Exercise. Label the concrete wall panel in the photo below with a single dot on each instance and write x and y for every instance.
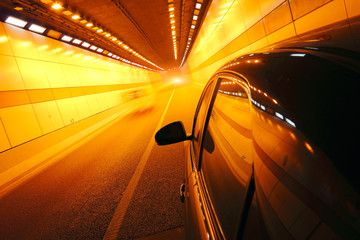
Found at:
(4, 142)
(32, 72)
(20, 123)
(10, 78)
(22, 42)
(5, 47)
(48, 116)
(46, 84)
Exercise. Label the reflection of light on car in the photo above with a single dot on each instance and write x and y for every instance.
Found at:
(309, 147)
(270, 111)
(262, 107)
(298, 54)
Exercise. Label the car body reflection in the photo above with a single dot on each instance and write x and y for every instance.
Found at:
(273, 148)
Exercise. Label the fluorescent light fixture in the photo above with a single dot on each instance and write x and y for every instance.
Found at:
(54, 34)
(298, 54)
(85, 44)
(56, 6)
(279, 115)
(67, 13)
(77, 41)
(192, 26)
(16, 21)
(75, 17)
(110, 54)
(198, 5)
(37, 28)
(195, 17)
(290, 122)
(99, 30)
(100, 50)
(66, 38)
(89, 25)
(171, 9)
(93, 47)
(108, 35)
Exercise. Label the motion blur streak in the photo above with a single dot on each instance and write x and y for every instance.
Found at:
(77, 196)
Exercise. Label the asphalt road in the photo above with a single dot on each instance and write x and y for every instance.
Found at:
(120, 184)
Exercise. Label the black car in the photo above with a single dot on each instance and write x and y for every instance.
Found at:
(273, 149)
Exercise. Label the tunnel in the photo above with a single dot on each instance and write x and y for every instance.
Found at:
(86, 85)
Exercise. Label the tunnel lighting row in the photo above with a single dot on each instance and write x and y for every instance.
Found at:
(253, 88)
(260, 106)
(68, 39)
(73, 15)
(276, 114)
(172, 24)
(257, 104)
(235, 62)
(192, 28)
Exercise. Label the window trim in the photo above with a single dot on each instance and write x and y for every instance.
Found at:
(250, 188)
(213, 80)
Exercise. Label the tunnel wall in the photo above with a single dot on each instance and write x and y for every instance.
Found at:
(235, 27)
(46, 85)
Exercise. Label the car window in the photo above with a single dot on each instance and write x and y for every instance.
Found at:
(200, 117)
(226, 164)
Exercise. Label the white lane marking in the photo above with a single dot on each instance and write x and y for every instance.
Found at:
(114, 226)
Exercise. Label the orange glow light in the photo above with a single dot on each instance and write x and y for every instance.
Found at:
(309, 147)
(56, 6)
(75, 17)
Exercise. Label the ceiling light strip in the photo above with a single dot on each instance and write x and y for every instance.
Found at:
(68, 39)
(99, 30)
(173, 26)
(195, 18)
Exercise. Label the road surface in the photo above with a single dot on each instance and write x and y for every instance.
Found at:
(118, 185)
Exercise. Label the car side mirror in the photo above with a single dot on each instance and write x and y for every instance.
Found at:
(171, 133)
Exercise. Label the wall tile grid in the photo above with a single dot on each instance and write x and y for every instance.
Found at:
(46, 84)
(257, 24)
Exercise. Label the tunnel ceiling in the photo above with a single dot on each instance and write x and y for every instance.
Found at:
(141, 31)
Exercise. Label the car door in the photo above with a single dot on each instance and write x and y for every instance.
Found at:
(222, 153)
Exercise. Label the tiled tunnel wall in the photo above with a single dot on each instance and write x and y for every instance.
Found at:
(46, 84)
(235, 27)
